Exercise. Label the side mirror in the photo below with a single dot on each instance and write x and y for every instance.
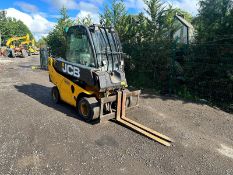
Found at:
(66, 29)
(48, 49)
(104, 63)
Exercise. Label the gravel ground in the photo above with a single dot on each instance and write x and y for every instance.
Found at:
(38, 137)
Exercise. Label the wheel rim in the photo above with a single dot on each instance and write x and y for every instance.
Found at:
(84, 109)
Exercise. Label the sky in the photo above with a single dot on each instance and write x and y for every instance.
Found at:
(41, 15)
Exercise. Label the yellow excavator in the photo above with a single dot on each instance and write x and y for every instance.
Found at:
(91, 78)
(23, 48)
(31, 47)
(15, 48)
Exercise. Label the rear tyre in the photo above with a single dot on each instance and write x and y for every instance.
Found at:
(8, 53)
(24, 53)
(55, 95)
(12, 53)
(88, 108)
(129, 100)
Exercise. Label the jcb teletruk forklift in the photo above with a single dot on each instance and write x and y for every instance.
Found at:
(91, 77)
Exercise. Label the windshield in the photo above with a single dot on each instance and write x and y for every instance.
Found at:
(107, 48)
(79, 49)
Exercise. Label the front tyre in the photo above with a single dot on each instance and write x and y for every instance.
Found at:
(24, 53)
(55, 95)
(12, 53)
(88, 108)
(129, 100)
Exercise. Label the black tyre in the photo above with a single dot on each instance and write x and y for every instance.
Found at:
(55, 95)
(8, 53)
(88, 108)
(12, 53)
(129, 100)
(128, 103)
(24, 53)
(29, 53)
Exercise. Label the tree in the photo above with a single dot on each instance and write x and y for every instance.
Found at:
(116, 15)
(156, 20)
(214, 20)
(150, 42)
(11, 27)
(42, 42)
(86, 21)
(2, 14)
(57, 37)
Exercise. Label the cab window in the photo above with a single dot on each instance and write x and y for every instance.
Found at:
(79, 49)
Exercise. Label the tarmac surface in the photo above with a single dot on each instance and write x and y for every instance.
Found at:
(39, 137)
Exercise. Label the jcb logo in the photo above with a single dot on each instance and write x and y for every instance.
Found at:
(71, 70)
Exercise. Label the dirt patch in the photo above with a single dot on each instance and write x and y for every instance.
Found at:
(3, 61)
(31, 160)
(51, 139)
(226, 151)
(107, 141)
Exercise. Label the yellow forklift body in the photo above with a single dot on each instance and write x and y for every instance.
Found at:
(93, 101)
(64, 85)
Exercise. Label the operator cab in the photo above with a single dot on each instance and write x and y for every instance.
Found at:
(79, 49)
(94, 47)
(94, 57)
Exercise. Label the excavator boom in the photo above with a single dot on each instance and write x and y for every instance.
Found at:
(18, 50)
(10, 40)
